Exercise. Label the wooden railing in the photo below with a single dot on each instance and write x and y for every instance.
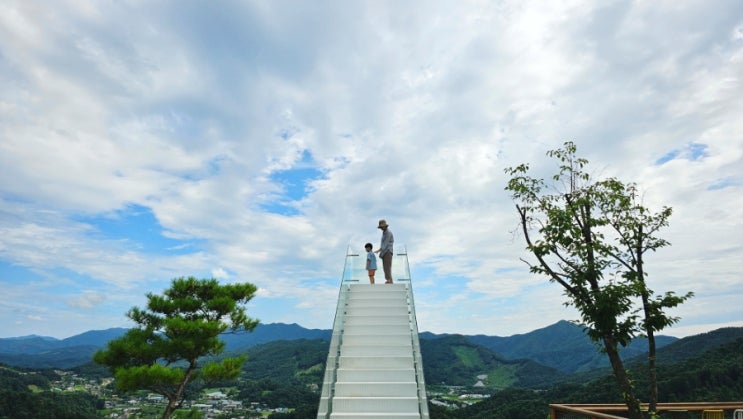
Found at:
(619, 411)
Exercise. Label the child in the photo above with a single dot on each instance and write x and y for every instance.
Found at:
(371, 262)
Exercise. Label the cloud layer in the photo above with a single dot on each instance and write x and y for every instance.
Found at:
(257, 141)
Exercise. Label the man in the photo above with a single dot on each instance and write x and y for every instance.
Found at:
(385, 250)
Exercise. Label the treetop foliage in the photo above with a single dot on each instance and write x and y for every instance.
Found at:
(590, 237)
(175, 334)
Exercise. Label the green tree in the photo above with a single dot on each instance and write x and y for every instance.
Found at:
(636, 228)
(164, 352)
(589, 236)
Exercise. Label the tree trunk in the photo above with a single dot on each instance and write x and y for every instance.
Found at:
(652, 373)
(173, 401)
(649, 330)
(628, 392)
(170, 408)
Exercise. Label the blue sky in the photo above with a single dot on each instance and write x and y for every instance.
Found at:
(257, 141)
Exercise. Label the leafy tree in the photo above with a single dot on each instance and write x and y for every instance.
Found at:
(590, 238)
(164, 352)
(636, 227)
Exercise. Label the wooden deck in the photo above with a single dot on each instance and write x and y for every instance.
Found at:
(613, 411)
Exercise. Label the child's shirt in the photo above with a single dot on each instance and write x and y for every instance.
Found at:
(371, 261)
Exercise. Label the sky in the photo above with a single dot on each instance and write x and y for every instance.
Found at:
(260, 141)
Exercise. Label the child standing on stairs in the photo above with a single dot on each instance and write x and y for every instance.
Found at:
(371, 262)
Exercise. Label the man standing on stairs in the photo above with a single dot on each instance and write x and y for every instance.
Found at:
(385, 250)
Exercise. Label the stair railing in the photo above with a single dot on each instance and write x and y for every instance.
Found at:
(334, 352)
(404, 277)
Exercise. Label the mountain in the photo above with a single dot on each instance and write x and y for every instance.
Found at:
(674, 353)
(451, 360)
(96, 338)
(270, 332)
(29, 345)
(714, 373)
(64, 357)
(31, 337)
(45, 352)
(288, 361)
(456, 360)
(281, 373)
(563, 345)
(692, 346)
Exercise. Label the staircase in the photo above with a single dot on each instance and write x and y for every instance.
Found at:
(374, 367)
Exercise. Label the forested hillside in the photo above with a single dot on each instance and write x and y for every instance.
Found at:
(289, 373)
(24, 394)
(457, 361)
(713, 375)
(563, 346)
(299, 361)
(691, 346)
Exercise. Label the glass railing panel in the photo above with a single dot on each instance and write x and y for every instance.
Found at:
(355, 269)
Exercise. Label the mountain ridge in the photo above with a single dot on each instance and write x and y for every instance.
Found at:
(562, 345)
(566, 342)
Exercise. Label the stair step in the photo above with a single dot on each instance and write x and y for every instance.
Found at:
(377, 340)
(371, 288)
(376, 350)
(379, 319)
(377, 362)
(376, 375)
(376, 389)
(375, 404)
(375, 303)
(399, 299)
(376, 329)
(365, 415)
(370, 310)
(377, 292)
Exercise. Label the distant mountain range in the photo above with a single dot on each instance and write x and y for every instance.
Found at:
(561, 348)
(46, 352)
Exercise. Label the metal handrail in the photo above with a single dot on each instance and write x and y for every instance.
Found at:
(331, 371)
(417, 358)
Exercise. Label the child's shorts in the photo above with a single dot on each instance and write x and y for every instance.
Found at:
(371, 271)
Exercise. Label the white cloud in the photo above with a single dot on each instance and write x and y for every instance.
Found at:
(87, 300)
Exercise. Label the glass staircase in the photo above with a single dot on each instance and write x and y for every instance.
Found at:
(374, 367)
